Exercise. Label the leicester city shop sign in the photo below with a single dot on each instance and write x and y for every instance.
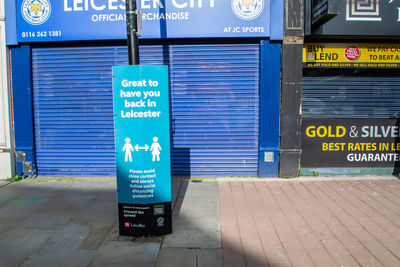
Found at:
(71, 20)
(142, 147)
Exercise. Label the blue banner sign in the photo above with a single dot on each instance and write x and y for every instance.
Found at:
(71, 20)
(142, 144)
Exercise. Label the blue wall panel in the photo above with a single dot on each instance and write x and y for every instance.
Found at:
(270, 85)
(276, 31)
(22, 104)
(11, 22)
(214, 108)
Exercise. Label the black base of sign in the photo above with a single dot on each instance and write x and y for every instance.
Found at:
(140, 220)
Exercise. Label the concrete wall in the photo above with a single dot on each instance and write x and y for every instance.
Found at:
(5, 143)
(2, 10)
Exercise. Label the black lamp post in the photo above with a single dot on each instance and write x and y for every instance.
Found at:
(132, 29)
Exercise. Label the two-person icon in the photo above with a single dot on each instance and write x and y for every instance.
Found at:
(155, 149)
(128, 148)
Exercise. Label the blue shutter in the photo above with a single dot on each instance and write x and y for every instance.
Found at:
(214, 108)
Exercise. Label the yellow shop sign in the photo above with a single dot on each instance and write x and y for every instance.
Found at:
(344, 55)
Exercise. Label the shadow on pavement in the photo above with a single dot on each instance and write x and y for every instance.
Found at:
(75, 224)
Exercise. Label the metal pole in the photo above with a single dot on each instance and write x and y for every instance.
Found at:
(131, 30)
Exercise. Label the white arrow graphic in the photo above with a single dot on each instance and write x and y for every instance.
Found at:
(146, 147)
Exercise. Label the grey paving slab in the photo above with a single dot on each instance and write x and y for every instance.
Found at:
(18, 207)
(77, 196)
(76, 193)
(69, 237)
(196, 217)
(41, 189)
(176, 257)
(89, 189)
(209, 257)
(107, 191)
(7, 224)
(99, 210)
(201, 189)
(197, 206)
(10, 263)
(58, 205)
(183, 188)
(8, 195)
(19, 243)
(6, 198)
(114, 235)
(175, 187)
(59, 258)
(197, 199)
(194, 232)
(45, 221)
(84, 187)
(17, 202)
(3, 183)
(97, 234)
(126, 254)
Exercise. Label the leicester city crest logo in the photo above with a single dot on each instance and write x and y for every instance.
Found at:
(247, 9)
(36, 12)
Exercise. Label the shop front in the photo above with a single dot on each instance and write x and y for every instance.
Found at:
(351, 93)
(224, 73)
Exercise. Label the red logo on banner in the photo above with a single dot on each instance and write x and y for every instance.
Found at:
(352, 53)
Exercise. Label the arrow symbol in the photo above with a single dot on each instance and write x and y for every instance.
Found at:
(146, 147)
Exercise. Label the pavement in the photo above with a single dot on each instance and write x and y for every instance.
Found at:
(308, 221)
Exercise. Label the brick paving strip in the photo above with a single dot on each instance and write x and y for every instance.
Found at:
(310, 223)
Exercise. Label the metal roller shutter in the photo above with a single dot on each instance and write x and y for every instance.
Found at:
(352, 94)
(214, 108)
